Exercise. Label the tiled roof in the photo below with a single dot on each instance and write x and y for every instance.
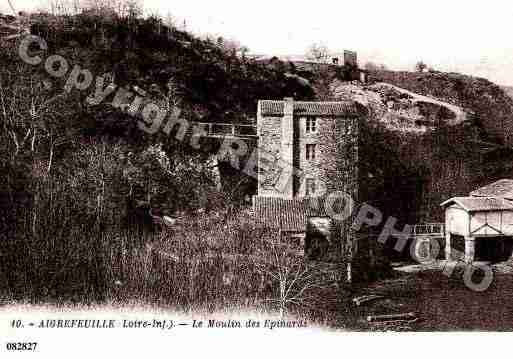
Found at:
(307, 108)
(502, 188)
(477, 204)
(289, 215)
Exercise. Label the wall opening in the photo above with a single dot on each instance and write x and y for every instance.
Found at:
(493, 249)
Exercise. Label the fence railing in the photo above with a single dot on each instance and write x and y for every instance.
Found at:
(227, 129)
(429, 229)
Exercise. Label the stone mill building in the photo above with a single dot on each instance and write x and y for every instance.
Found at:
(306, 151)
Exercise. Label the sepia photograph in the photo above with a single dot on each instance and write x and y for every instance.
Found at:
(260, 179)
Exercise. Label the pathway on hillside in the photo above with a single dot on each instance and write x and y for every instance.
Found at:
(461, 115)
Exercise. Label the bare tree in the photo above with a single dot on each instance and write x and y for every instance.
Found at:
(58, 7)
(122, 8)
(318, 52)
(296, 280)
(170, 21)
(372, 66)
(132, 8)
(173, 95)
(243, 50)
(32, 112)
(420, 66)
(12, 7)
(35, 119)
(231, 46)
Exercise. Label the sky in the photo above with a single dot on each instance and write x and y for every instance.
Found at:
(472, 37)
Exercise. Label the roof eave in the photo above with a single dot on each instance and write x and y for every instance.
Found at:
(339, 115)
(449, 201)
(472, 210)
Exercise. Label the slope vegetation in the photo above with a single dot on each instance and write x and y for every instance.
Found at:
(491, 106)
(428, 137)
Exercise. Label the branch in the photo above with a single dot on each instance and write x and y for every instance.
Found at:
(15, 139)
(32, 145)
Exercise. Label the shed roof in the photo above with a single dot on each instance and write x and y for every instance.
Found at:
(309, 108)
(289, 215)
(502, 188)
(480, 204)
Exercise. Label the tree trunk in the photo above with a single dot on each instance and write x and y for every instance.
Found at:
(51, 159)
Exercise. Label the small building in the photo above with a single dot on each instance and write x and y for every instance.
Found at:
(292, 217)
(479, 227)
(350, 59)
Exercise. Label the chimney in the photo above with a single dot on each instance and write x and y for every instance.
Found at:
(287, 149)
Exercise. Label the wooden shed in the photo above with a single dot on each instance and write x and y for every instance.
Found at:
(480, 226)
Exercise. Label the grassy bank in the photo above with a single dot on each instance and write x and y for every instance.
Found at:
(57, 250)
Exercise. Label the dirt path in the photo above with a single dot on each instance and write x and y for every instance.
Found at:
(461, 116)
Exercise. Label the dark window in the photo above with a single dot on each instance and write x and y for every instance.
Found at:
(311, 125)
(310, 186)
(310, 152)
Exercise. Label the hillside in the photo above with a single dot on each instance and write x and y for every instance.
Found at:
(210, 80)
(214, 82)
(491, 106)
(422, 127)
(398, 109)
(428, 137)
(83, 191)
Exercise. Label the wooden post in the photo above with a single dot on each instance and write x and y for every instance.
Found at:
(280, 233)
(469, 249)
(448, 246)
(347, 237)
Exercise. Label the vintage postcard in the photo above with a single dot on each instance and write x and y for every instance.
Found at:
(256, 179)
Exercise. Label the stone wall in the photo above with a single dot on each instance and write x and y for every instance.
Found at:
(334, 168)
(338, 141)
(335, 165)
(269, 147)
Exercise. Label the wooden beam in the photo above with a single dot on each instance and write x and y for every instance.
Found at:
(392, 317)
